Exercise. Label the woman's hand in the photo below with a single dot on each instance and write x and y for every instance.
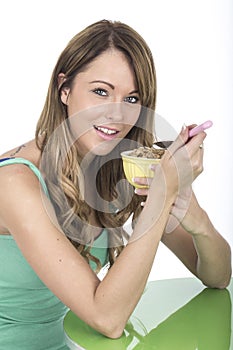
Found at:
(179, 167)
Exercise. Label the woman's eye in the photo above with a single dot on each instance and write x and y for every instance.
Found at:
(100, 92)
(131, 99)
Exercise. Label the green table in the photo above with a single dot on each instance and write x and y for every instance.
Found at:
(175, 314)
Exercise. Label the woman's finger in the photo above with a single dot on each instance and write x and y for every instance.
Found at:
(141, 191)
(180, 141)
(143, 181)
(195, 144)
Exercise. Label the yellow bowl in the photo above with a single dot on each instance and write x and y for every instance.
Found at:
(137, 167)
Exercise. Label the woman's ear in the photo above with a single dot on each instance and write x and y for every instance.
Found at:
(64, 94)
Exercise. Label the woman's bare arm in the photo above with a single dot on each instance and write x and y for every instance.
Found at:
(106, 305)
(198, 244)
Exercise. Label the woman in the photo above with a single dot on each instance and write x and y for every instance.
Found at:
(100, 101)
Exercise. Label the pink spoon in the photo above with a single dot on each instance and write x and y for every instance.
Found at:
(200, 128)
(192, 132)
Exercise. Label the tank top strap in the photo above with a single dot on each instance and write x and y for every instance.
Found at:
(9, 161)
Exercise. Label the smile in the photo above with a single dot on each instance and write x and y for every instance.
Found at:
(106, 131)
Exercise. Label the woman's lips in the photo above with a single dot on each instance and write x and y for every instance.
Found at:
(106, 133)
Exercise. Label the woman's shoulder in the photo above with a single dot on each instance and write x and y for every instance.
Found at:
(15, 179)
(21, 188)
(13, 171)
(12, 168)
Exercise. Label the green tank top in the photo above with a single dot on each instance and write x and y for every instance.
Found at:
(31, 316)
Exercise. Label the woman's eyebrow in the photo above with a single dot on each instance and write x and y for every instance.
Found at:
(133, 92)
(104, 82)
(111, 86)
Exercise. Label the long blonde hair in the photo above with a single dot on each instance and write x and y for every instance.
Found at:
(61, 158)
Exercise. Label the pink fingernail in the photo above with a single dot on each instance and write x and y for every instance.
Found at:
(183, 128)
(152, 166)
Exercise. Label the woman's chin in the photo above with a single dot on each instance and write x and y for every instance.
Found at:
(104, 148)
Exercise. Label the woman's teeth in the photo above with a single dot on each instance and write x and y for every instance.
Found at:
(105, 130)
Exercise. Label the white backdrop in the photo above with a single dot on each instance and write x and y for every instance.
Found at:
(192, 44)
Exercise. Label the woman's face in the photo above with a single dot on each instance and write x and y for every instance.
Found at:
(103, 103)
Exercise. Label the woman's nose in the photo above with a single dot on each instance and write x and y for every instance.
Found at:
(115, 111)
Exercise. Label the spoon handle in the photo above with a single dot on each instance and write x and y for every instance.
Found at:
(200, 128)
